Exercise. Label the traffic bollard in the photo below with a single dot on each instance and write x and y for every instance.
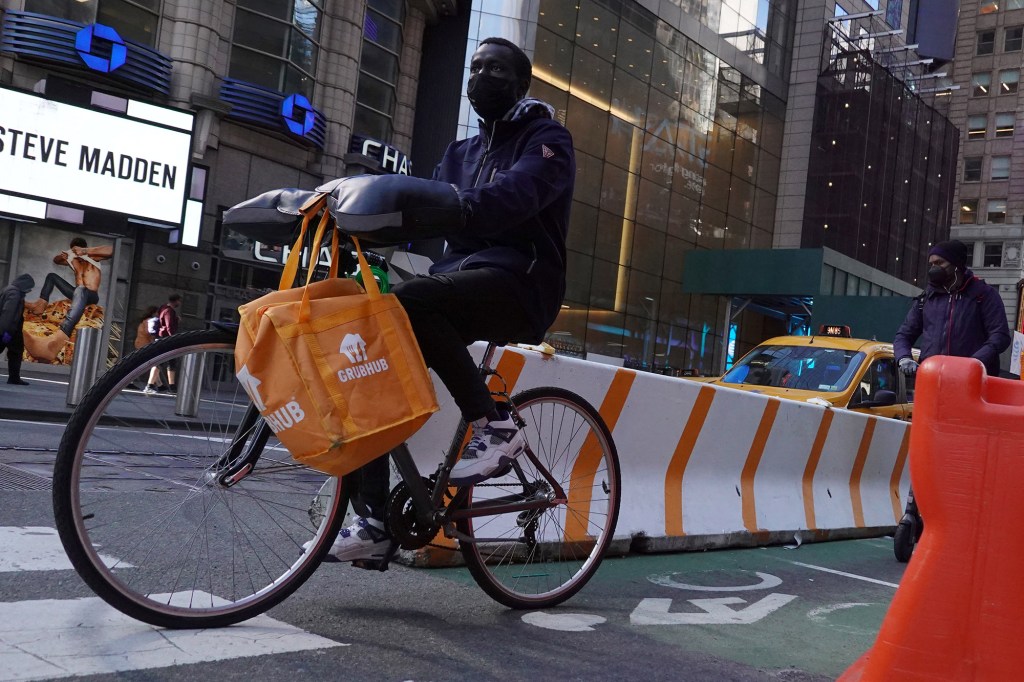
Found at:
(189, 384)
(84, 363)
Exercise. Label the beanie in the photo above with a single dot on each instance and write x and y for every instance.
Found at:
(953, 251)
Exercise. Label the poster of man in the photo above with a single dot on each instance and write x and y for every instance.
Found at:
(50, 325)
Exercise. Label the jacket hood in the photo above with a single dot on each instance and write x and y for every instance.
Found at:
(24, 282)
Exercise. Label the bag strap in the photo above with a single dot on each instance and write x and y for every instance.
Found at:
(325, 221)
(369, 281)
(291, 267)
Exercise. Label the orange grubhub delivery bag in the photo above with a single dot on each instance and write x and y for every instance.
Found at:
(334, 370)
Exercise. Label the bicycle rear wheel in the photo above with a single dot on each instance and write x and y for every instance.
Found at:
(142, 509)
(536, 559)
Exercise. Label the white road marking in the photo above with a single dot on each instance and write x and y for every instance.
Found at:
(35, 548)
(50, 638)
(818, 614)
(845, 574)
(713, 611)
(768, 581)
(564, 622)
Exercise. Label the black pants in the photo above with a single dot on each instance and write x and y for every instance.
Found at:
(14, 350)
(448, 312)
(80, 298)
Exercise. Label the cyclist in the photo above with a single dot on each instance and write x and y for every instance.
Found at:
(501, 278)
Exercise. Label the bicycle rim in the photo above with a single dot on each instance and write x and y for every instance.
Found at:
(539, 559)
(143, 516)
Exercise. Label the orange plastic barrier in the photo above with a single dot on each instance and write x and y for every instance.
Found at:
(959, 611)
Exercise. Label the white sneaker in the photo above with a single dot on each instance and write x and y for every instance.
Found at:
(364, 539)
(491, 449)
(149, 390)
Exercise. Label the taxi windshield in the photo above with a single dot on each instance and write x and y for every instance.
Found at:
(808, 368)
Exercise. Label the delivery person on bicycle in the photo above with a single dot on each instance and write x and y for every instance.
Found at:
(501, 278)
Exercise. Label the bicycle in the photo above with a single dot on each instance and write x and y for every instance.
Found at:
(186, 512)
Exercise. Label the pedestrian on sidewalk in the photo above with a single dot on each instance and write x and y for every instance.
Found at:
(167, 325)
(12, 320)
(147, 330)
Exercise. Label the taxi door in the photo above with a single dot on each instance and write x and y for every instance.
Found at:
(880, 375)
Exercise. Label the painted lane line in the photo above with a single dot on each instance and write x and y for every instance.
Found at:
(713, 611)
(843, 573)
(50, 638)
(818, 614)
(564, 622)
(36, 548)
(768, 581)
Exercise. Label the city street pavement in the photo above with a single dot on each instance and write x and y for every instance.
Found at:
(795, 614)
(44, 399)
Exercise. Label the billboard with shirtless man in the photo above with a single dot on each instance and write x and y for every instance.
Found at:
(69, 298)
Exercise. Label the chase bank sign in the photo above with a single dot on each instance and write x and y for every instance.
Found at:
(91, 37)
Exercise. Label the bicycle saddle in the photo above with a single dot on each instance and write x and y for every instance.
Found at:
(394, 208)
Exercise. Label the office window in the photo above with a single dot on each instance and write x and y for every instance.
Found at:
(988, 8)
(276, 44)
(1000, 167)
(968, 211)
(986, 42)
(972, 168)
(1013, 39)
(1008, 81)
(997, 211)
(993, 257)
(379, 67)
(977, 126)
(134, 19)
(1005, 124)
(980, 84)
(1015, 4)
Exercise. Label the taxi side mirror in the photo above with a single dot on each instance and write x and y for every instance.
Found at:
(882, 398)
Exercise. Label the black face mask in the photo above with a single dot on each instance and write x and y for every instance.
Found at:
(491, 96)
(940, 276)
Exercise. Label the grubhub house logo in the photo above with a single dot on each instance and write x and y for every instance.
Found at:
(284, 417)
(354, 348)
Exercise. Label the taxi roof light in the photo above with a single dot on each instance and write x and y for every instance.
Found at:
(840, 330)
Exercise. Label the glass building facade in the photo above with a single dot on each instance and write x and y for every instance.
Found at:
(676, 150)
(882, 165)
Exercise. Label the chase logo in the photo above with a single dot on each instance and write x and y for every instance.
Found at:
(298, 114)
(85, 43)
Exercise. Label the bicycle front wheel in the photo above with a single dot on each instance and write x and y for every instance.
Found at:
(143, 508)
(536, 559)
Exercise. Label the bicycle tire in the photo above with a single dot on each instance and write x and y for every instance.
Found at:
(572, 441)
(125, 454)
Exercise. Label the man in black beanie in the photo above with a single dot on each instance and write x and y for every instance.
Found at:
(958, 314)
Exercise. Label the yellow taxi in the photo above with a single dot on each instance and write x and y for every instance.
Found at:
(832, 367)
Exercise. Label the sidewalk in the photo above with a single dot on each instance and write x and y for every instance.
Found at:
(43, 400)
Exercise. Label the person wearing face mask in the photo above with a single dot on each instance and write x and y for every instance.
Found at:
(501, 277)
(958, 314)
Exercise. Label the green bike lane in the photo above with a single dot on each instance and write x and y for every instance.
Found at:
(814, 608)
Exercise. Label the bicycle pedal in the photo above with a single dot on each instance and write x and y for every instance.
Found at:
(371, 564)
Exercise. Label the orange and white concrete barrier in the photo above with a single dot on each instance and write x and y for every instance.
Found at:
(957, 612)
(709, 466)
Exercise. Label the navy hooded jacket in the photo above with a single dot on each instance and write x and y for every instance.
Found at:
(12, 303)
(516, 189)
(969, 322)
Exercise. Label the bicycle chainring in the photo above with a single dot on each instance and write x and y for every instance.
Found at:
(402, 521)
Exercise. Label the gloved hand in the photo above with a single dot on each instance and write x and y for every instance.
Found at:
(908, 366)
(6, 338)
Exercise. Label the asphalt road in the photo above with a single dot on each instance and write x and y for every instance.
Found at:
(756, 614)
